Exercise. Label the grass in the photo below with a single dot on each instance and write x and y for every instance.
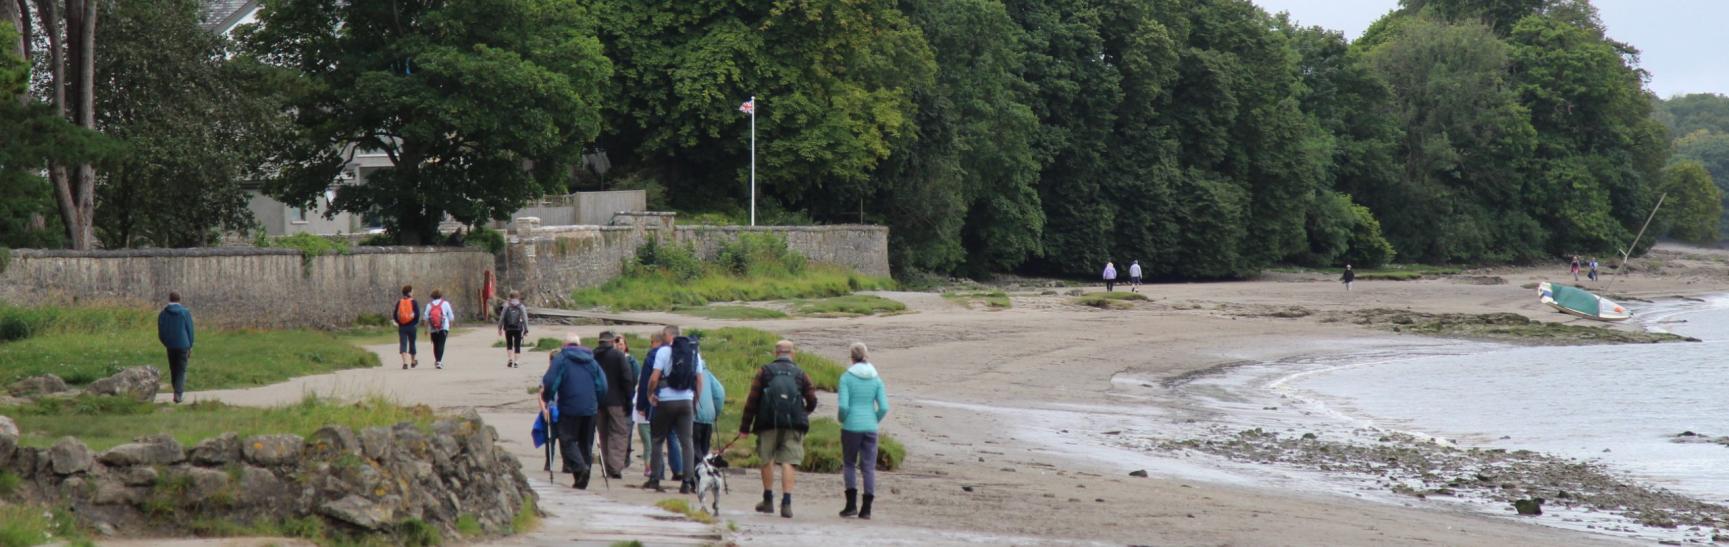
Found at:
(737, 313)
(527, 517)
(82, 345)
(1390, 272)
(542, 344)
(23, 525)
(469, 526)
(850, 305)
(631, 543)
(754, 268)
(682, 507)
(734, 354)
(1110, 300)
(105, 422)
(8, 483)
(995, 300)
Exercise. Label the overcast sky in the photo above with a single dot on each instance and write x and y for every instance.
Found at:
(1682, 42)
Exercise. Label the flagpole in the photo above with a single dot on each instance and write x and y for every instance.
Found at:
(753, 160)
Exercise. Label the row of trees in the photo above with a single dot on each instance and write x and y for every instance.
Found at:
(1205, 138)
(1700, 124)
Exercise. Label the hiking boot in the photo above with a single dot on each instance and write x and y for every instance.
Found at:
(786, 508)
(582, 480)
(851, 503)
(684, 488)
(653, 485)
(767, 505)
(864, 511)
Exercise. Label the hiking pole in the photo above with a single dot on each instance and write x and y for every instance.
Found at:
(604, 475)
(550, 477)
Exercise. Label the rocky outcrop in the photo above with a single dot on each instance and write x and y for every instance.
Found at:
(35, 386)
(371, 481)
(140, 383)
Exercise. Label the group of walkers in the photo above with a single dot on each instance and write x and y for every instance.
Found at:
(674, 401)
(1574, 269)
(1110, 276)
(438, 316)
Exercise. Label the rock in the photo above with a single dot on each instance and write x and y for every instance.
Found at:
(9, 401)
(8, 440)
(272, 450)
(358, 511)
(332, 441)
(107, 530)
(158, 450)
(138, 383)
(1140, 473)
(38, 385)
(69, 456)
(137, 476)
(261, 487)
(218, 450)
(376, 442)
(967, 488)
(1529, 507)
(203, 483)
(113, 493)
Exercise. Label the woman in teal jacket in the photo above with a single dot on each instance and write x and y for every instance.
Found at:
(863, 403)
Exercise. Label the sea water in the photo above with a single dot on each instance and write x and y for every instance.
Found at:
(1621, 405)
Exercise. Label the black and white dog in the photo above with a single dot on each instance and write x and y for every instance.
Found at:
(710, 482)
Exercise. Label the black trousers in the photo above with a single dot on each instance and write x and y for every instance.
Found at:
(703, 438)
(576, 441)
(177, 361)
(438, 338)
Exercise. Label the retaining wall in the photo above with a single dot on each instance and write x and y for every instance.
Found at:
(246, 286)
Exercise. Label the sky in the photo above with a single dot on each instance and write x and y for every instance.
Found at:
(1682, 42)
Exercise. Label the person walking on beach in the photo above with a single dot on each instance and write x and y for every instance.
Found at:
(1135, 276)
(773, 411)
(488, 291)
(614, 416)
(1593, 269)
(709, 405)
(864, 402)
(1575, 268)
(407, 315)
(174, 330)
(1110, 276)
(439, 317)
(576, 383)
(672, 391)
(1348, 277)
(653, 464)
(513, 326)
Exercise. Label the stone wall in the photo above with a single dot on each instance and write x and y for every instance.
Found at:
(370, 481)
(245, 286)
(548, 263)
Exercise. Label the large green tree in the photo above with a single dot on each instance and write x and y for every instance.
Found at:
(1711, 151)
(195, 126)
(1686, 114)
(1694, 205)
(34, 137)
(480, 106)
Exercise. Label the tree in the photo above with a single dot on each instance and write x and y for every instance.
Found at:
(196, 126)
(480, 106)
(1694, 207)
(33, 137)
(69, 27)
(1687, 114)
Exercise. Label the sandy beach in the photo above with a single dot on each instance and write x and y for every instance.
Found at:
(1008, 415)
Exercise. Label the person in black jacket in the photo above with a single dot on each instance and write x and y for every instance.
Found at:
(774, 413)
(613, 421)
(576, 383)
(1349, 277)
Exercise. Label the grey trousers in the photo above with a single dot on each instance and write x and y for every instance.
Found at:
(672, 417)
(859, 451)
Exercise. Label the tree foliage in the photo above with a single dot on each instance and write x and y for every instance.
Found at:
(1694, 207)
(1688, 114)
(33, 137)
(196, 126)
(480, 106)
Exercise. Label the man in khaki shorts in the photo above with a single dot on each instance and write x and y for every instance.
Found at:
(778, 411)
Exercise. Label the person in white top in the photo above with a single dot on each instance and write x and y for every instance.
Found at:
(1135, 276)
(674, 408)
(439, 318)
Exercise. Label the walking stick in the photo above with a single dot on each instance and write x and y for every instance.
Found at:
(604, 475)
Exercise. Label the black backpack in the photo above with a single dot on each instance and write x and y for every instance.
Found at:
(682, 375)
(513, 318)
(783, 404)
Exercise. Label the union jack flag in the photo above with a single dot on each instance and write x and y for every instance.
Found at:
(749, 107)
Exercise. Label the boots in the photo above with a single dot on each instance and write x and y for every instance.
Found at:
(851, 503)
(786, 506)
(864, 511)
(767, 505)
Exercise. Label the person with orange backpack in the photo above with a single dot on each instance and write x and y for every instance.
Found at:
(407, 316)
(438, 320)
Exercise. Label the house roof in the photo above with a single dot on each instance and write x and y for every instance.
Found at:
(223, 15)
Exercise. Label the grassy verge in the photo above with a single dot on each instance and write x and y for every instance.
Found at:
(105, 422)
(23, 525)
(849, 306)
(737, 313)
(995, 300)
(682, 507)
(755, 268)
(542, 344)
(82, 345)
(1110, 300)
(1390, 272)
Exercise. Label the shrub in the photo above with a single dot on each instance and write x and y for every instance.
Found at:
(5, 258)
(486, 238)
(655, 258)
(382, 239)
(310, 244)
(8, 483)
(759, 255)
(373, 320)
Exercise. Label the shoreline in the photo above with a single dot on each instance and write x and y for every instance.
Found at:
(1350, 454)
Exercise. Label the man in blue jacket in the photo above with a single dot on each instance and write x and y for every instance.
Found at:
(576, 383)
(174, 329)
